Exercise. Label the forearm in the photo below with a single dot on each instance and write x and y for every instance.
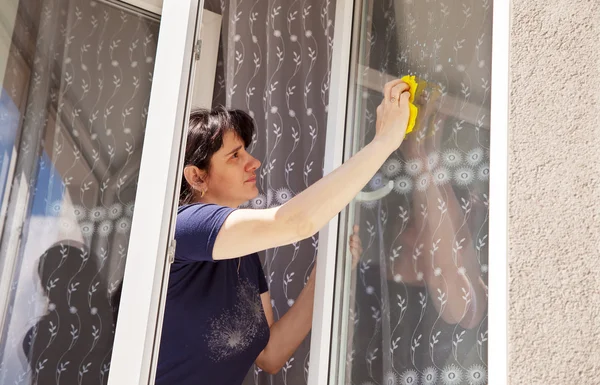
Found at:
(289, 331)
(316, 205)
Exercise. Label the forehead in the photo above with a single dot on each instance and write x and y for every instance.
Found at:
(231, 140)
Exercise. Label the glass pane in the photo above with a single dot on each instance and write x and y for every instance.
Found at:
(416, 301)
(73, 110)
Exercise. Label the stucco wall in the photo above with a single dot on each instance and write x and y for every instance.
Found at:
(554, 196)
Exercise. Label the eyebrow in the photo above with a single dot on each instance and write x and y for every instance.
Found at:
(234, 150)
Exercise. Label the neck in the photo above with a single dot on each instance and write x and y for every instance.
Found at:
(208, 199)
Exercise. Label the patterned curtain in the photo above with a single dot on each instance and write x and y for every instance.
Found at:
(274, 62)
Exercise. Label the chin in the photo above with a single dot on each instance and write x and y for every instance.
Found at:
(251, 195)
(254, 194)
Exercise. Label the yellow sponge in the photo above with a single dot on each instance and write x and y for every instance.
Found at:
(414, 111)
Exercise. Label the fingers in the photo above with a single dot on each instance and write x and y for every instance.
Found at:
(398, 86)
(397, 91)
(355, 242)
(355, 229)
(404, 97)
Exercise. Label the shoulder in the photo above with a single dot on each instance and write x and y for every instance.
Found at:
(201, 212)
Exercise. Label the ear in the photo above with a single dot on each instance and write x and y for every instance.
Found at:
(195, 177)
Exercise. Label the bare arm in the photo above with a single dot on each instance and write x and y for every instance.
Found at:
(289, 331)
(248, 231)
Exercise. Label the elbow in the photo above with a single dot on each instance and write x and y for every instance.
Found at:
(299, 223)
(272, 369)
(269, 367)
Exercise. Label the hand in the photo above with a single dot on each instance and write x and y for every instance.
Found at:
(393, 113)
(355, 246)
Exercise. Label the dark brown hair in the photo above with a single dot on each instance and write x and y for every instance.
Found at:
(205, 137)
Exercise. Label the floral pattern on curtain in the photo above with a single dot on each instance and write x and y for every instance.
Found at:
(418, 311)
(275, 62)
(83, 71)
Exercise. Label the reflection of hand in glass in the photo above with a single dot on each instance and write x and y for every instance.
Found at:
(355, 244)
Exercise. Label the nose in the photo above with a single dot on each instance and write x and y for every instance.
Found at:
(253, 164)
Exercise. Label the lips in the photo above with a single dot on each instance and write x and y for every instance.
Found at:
(252, 179)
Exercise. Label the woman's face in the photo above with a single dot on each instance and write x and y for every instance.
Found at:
(231, 180)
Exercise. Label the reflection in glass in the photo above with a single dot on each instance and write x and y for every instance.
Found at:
(418, 296)
(75, 89)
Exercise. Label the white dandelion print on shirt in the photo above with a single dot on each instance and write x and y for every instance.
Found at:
(235, 329)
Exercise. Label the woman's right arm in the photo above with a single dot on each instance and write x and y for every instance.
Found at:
(248, 231)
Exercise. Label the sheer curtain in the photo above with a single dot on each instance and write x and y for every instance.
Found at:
(275, 63)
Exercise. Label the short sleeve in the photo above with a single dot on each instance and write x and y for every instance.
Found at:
(263, 287)
(196, 230)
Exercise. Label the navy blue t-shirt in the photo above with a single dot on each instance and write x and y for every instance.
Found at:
(214, 326)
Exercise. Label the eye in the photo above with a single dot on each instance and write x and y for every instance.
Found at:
(236, 155)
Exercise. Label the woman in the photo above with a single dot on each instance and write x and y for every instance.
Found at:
(218, 319)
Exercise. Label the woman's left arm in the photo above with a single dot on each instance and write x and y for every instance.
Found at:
(289, 331)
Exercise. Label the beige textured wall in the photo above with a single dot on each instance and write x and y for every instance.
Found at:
(554, 196)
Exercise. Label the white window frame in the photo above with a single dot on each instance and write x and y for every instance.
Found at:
(151, 244)
(323, 337)
(154, 6)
